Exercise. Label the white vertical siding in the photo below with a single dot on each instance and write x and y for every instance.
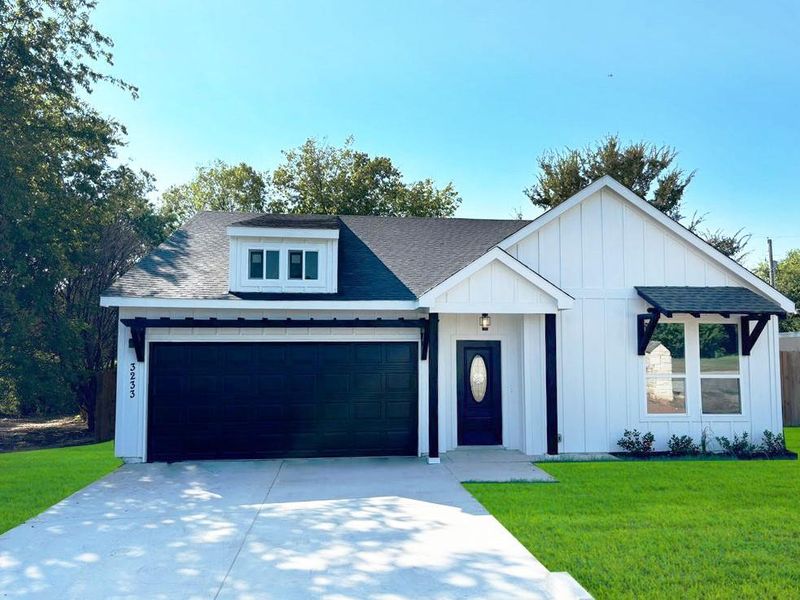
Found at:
(597, 252)
(508, 329)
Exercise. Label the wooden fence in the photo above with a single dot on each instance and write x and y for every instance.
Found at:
(790, 378)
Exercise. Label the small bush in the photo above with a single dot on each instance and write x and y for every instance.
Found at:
(636, 443)
(740, 447)
(772, 444)
(682, 446)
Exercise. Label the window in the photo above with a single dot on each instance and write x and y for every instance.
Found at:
(719, 369)
(295, 264)
(478, 378)
(273, 264)
(312, 264)
(256, 264)
(665, 370)
(264, 264)
(303, 264)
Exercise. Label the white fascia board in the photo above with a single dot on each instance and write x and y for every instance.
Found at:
(679, 230)
(563, 300)
(283, 232)
(495, 308)
(259, 304)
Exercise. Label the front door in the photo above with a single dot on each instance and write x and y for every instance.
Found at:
(480, 421)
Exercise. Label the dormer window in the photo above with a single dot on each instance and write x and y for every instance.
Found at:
(304, 264)
(292, 254)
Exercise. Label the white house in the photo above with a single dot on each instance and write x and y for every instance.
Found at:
(253, 335)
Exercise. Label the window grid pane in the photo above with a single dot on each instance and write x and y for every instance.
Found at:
(295, 264)
(312, 264)
(666, 395)
(272, 264)
(256, 270)
(719, 348)
(721, 396)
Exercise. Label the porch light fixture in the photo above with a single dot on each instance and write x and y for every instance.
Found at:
(485, 322)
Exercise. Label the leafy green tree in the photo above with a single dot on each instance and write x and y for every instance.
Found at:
(218, 186)
(60, 199)
(321, 179)
(648, 170)
(787, 280)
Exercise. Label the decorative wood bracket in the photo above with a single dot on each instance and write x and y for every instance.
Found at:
(645, 327)
(750, 337)
(424, 340)
(137, 341)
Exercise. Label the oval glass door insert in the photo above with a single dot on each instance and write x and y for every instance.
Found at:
(477, 378)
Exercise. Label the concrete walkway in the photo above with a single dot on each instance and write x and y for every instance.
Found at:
(493, 464)
(385, 529)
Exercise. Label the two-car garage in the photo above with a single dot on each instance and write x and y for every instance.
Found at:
(281, 399)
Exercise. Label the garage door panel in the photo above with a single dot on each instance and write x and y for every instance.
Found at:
(248, 399)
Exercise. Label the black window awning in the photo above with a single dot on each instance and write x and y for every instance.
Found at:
(753, 308)
(718, 300)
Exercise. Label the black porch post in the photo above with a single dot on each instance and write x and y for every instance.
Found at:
(551, 383)
(433, 388)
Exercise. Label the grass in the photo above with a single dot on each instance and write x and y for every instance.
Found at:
(684, 529)
(32, 481)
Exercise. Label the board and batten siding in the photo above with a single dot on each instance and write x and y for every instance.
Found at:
(132, 376)
(495, 288)
(518, 401)
(597, 252)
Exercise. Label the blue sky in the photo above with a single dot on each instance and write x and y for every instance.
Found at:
(472, 92)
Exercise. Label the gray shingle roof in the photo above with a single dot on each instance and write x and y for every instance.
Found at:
(720, 299)
(380, 258)
(291, 221)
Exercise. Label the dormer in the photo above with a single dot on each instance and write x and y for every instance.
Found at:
(284, 254)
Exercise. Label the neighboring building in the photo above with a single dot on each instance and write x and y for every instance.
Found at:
(276, 335)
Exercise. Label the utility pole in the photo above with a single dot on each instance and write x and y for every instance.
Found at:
(771, 263)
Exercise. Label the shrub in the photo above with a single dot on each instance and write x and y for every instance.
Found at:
(636, 443)
(772, 444)
(740, 447)
(682, 446)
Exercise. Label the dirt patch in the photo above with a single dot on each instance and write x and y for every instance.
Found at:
(33, 433)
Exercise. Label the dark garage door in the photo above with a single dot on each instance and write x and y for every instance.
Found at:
(250, 400)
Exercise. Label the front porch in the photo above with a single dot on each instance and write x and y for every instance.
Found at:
(492, 464)
(493, 372)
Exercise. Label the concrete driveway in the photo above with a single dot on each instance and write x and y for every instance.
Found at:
(382, 528)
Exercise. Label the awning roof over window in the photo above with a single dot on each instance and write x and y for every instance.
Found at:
(724, 300)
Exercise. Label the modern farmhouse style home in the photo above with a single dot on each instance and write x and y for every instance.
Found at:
(254, 335)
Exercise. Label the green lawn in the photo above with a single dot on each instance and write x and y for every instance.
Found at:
(34, 480)
(721, 529)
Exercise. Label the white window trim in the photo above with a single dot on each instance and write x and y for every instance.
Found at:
(737, 375)
(303, 263)
(245, 281)
(263, 264)
(692, 375)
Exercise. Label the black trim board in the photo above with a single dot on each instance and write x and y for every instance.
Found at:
(433, 387)
(551, 383)
(139, 326)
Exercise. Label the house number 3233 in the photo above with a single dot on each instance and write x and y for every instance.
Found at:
(132, 381)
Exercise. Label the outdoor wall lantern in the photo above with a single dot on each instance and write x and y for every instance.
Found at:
(485, 322)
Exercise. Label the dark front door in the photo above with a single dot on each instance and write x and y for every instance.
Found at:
(480, 420)
(263, 400)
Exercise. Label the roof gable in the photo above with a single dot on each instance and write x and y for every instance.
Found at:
(678, 231)
(496, 282)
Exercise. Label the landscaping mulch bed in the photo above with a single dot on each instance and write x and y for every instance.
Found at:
(654, 456)
(35, 433)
